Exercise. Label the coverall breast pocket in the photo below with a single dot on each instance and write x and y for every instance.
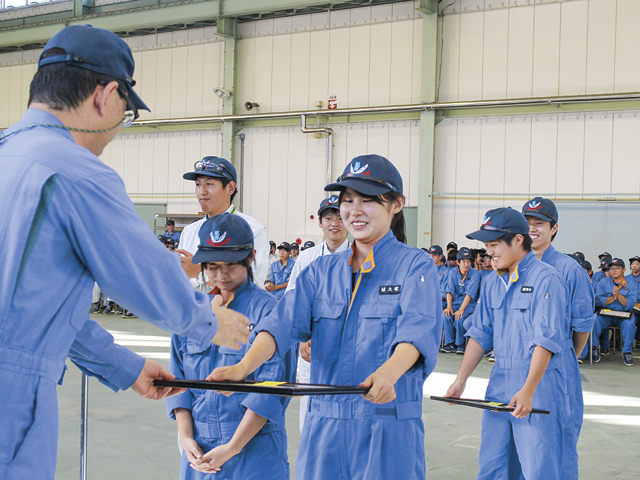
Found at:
(196, 361)
(521, 311)
(326, 331)
(376, 331)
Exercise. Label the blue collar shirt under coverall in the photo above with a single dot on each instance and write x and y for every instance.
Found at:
(580, 306)
(60, 204)
(514, 316)
(217, 417)
(396, 299)
(280, 274)
(628, 326)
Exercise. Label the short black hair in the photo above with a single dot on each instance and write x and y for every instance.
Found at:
(508, 239)
(65, 87)
(452, 255)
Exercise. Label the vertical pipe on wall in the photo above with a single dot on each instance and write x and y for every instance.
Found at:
(328, 131)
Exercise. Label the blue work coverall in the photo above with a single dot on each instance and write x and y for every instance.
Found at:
(459, 288)
(443, 272)
(580, 311)
(628, 326)
(216, 417)
(514, 315)
(60, 205)
(280, 274)
(353, 331)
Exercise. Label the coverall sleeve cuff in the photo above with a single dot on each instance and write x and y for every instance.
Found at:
(583, 325)
(485, 341)
(422, 344)
(184, 400)
(129, 371)
(267, 406)
(545, 343)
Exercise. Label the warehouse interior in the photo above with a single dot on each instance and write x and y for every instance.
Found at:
(479, 104)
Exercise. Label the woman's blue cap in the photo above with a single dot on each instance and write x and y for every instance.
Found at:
(98, 50)
(224, 238)
(541, 208)
(368, 174)
(499, 222)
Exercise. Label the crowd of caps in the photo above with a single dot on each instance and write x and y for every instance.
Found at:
(463, 270)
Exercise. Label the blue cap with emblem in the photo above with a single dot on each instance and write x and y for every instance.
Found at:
(308, 244)
(541, 208)
(331, 202)
(604, 263)
(224, 238)
(586, 265)
(634, 259)
(368, 174)
(579, 256)
(95, 49)
(616, 262)
(464, 254)
(213, 167)
(285, 246)
(499, 222)
(435, 250)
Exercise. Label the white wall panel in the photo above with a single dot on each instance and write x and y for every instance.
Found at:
(449, 63)
(546, 50)
(544, 132)
(178, 95)
(159, 170)
(416, 79)
(496, 44)
(282, 67)
(146, 78)
(339, 50)
(573, 48)
(5, 100)
(401, 61)
(300, 98)
(570, 166)
(163, 72)
(196, 88)
(518, 155)
(359, 57)
(597, 153)
(320, 66)
(520, 55)
(627, 59)
(263, 61)
(492, 155)
(601, 46)
(467, 173)
(380, 64)
(625, 163)
(471, 47)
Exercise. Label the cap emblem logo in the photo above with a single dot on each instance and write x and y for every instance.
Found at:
(486, 221)
(216, 240)
(534, 206)
(332, 199)
(357, 169)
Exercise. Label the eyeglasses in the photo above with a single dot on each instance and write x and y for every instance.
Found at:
(213, 166)
(131, 112)
(379, 181)
(209, 248)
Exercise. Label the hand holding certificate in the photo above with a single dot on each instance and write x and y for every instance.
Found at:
(484, 404)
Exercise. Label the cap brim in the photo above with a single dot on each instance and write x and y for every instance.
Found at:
(328, 207)
(201, 173)
(485, 235)
(137, 101)
(202, 256)
(359, 185)
(282, 248)
(541, 216)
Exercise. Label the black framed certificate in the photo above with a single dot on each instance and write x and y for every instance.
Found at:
(283, 389)
(484, 404)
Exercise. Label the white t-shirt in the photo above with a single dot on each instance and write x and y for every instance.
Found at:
(189, 241)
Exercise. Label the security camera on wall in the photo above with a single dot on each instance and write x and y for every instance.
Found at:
(222, 93)
(250, 106)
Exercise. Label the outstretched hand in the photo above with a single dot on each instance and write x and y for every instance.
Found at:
(150, 372)
(233, 327)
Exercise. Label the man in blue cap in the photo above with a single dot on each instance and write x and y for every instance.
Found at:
(280, 271)
(615, 294)
(542, 216)
(216, 185)
(462, 289)
(60, 204)
(437, 254)
(522, 312)
(335, 241)
(634, 264)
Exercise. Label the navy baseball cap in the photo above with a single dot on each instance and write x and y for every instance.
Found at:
(579, 255)
(605, 254)
(98, 50)
(295, 246)
(604, 263)
(284, 246)
(224, 238)
(170, 222)
(499, 222)
(368, 174)
(634, 259)
(616, 262)
(541, 208)
(464, 253)
(586, 265)
(272, 243)
(308, 244)
(331, 202)
(213, 167)
(435, 250)
(452, 245)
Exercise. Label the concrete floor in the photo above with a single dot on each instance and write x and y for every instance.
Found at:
(132, 438)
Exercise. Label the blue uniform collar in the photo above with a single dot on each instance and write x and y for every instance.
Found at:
(378, 249)
(238, 294)
(548, 254)
(520, 269)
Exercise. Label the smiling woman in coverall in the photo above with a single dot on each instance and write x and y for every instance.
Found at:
(522, 312)
(374, 317)
(241, 436)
